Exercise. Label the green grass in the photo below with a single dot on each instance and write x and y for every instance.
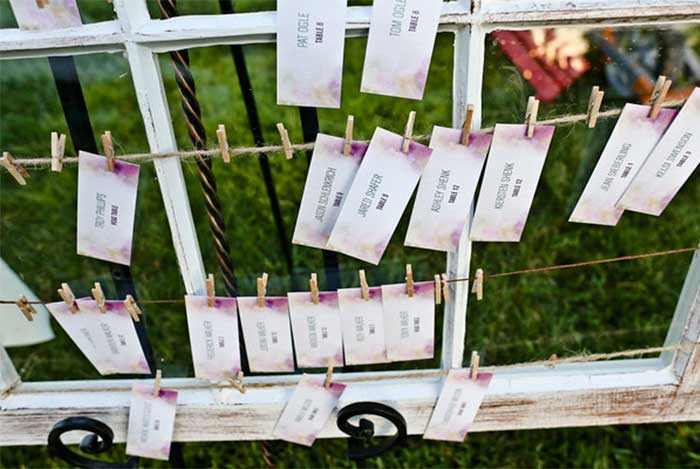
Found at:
(601, 309)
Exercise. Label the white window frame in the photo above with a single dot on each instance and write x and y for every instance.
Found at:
(664, 388)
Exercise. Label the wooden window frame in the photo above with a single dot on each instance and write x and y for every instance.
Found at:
(660, 389)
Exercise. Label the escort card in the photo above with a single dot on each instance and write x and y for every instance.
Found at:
(670, 164)
(318, 341)
(308, 410)
(151, 422)
(446, 190)
(266, 334)
(399, 47)
(46, 14)
(310, 44)
(362, 324)
(510, 181)
(456, 408)
(409, 321)
(81, 330)
(213, 337)
(327, 183)
(378, 196)
(117, 345)
(106, 208)
(633, 138)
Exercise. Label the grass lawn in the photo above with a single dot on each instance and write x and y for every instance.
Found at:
(600, 309)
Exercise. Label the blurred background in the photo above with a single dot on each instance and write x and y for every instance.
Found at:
(600, 309)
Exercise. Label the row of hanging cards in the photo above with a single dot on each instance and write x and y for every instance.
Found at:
(106, 336)
(342, 327)
(311, 41)
(644, 163)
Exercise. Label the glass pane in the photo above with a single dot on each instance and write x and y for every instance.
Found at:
(598, 309)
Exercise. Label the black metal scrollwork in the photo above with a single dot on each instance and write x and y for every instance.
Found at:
(364, 431)
(98, 441)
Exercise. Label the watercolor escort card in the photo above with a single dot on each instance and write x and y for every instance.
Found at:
(399, 47)
(631, 141)
(362, 323)
(378, 197)
(456, 408)
(213, 337)
(308, 410)
(118, 349)
(151, 422)
(446, 190)
(510, 181)
(327, 183)
(670, 164)
(81, 329)
(310, 44)
(46, 14)
(106, 208)
(318, 341)
(266, 334)
(409, 321)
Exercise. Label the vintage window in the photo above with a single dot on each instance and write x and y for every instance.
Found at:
(131, 51)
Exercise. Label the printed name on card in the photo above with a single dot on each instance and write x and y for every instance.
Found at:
(151, 422)
(456, 408)
(512, 172)
(633, 138)
(362, 323)
(446, 190)
(266, 334)
(106, 208)
(81, 329)
(378, 197)
(670, 164)
(400, 46)
(327, 184)
(308, 410)
(409, 321)
(310, 44)
(117, 346)
(318, 340)
(46, 14)
(213, 337)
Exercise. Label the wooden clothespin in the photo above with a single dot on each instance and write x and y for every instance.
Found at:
(133, 308)
(533, 106)
(467, 124)
(329, 377)
(364, 287)
(156, 384)
(409, 280)
(237, 382)
(67, 295)
(313, 285)
(99, 297)
(223, 143)
(15, 169)
(478, 285)
(108, 149)
(210, 290)
(58, 148)
(348, 135)
(445, 288)
(26, 307)
(663, 85)
(594, 103)
(262, 287)
(286, 143)
(408, 132)
(474, 368)
(438, 290)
